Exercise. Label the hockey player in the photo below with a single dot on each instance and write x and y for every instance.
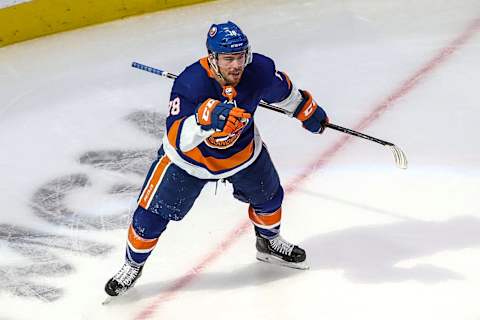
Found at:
(211, 135)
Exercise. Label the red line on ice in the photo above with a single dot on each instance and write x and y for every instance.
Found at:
(322, 160)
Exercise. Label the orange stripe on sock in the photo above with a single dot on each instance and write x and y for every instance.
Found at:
(138, 242)
(265, 219)
(154, 182)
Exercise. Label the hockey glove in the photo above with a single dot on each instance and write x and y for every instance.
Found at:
(212, 114)
(313, 117)
(235, 123)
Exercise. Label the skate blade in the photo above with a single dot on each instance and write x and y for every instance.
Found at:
(279, 262)
(107, 300)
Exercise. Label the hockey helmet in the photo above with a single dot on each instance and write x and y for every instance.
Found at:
(228, 38)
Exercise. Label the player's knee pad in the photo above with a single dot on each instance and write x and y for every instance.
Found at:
(147, 224)
(270, 205)
(258, 183)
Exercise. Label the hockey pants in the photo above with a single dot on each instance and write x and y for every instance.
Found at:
(169, 193)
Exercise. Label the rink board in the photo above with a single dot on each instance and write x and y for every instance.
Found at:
(28, 20)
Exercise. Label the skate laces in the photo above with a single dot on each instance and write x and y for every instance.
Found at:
(127, 274)
(280, 245)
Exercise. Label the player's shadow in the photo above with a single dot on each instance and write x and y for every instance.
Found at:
(371, 254)
(366, 254)
(254, 274)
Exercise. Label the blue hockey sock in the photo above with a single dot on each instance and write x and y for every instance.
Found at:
(143, 234)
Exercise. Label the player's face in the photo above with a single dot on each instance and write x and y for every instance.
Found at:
(231, 66)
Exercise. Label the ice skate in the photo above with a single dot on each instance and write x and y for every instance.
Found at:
(280, 252)
(123, 280)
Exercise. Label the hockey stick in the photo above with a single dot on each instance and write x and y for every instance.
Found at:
(398, 154)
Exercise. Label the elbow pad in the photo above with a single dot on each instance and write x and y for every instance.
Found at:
(291, 102)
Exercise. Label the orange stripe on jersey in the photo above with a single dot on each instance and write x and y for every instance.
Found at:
(211, 163)
(204, 63)
(173, 132)
(214, 164)
(153, 183)
(138, 243)
(265, 219)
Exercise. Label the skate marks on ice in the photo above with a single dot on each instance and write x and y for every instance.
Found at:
(124, 161)
(370, 254)
(48, 203)
(129, 161)
(150, 122)
(37, 247)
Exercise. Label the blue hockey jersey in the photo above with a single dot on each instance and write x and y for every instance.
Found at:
(207, 154)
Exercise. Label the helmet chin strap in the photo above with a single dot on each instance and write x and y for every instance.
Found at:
(212, 59)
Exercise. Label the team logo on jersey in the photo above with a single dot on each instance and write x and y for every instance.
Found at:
(213, 31)
(221, 140)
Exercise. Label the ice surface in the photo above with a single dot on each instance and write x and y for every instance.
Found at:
(79, 127)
